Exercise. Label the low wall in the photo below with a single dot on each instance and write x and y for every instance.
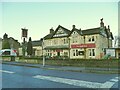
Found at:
(102, 63)
(9, 58)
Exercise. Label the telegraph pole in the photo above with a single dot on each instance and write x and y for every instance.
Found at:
(43, 52)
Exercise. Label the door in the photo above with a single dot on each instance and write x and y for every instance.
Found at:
(118, 55)
(58, 53)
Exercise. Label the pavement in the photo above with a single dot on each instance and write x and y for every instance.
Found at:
(65, 68)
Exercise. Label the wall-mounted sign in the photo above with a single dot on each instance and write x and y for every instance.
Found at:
(90, 45)
(110, 52)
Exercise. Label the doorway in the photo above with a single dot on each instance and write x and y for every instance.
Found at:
(118, 55)
(58, 53)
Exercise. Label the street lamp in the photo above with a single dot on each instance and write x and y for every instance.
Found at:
(43, 52)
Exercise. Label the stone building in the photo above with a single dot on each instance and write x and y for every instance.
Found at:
(57, 42)
(0, 43)
(14, 44)
(77, 43)
(37, 47)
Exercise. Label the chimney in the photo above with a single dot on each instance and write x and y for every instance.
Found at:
(5, 36)
(105, 28)
(51, 30)
(73, 26)
(101, 23)
(108, 28)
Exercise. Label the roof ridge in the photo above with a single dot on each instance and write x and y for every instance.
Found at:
(91, 28)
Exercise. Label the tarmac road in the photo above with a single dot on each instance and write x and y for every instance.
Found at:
(28, 77)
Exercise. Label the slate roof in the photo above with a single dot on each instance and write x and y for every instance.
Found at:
(49, 36)
(37, 43)
(65, 29)
(91, 31)
(80, 32)
(112, 36)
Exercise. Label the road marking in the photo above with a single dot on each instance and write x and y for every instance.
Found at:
(80, 83)
(110, 83)
(6, 71)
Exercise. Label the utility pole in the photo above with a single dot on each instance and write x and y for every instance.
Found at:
(43, 52)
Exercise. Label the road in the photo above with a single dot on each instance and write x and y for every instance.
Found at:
(28, 77)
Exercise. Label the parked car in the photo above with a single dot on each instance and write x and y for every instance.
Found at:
(8, 52)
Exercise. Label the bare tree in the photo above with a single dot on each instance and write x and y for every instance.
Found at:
(117, 41)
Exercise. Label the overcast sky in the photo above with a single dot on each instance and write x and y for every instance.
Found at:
(39, 17)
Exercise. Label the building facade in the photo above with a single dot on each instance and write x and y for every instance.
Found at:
(0, 43)
(56, 44)
(13, 43)
(37, 47)
(77, 43)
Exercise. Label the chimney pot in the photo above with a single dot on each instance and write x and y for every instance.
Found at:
(51, 30)
(101, 23)
(73, 26)
(108, 27)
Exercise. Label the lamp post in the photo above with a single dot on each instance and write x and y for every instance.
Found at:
(69, 46)
(43, 52)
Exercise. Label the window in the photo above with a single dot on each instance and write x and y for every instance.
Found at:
(76, 52)
(81, 52)
(93, 38)
(90, 52)
(93, 50)
(76, 38)
(73, 40)
(65, 41)
(89, 39)
(73, 52)
(65, 53)
(54, 41)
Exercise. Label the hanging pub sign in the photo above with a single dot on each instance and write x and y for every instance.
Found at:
(24, 32)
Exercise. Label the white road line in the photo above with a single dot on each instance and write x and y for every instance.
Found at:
(110, 83)
(80, 83)
(6, 71)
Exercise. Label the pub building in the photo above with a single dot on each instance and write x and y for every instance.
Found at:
(77, 43)
(57, 42)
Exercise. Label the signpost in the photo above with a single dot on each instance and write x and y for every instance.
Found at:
(24, 44)
(43, 52)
